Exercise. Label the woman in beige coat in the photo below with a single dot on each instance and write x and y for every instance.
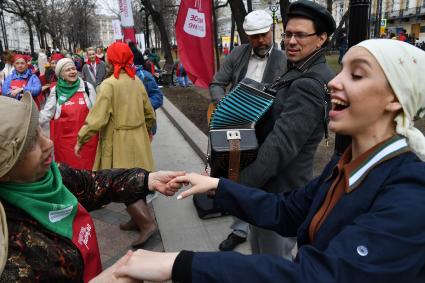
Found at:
(123, 117)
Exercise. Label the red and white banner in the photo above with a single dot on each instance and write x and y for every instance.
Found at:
(127, 21)
(194, 33)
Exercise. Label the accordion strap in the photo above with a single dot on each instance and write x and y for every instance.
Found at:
(234, 139)
(234, 159)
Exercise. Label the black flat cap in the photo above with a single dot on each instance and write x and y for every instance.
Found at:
(313, 11)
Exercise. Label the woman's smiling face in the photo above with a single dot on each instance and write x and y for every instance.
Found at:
(362, 99)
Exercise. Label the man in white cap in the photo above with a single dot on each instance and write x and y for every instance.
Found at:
(259, 60)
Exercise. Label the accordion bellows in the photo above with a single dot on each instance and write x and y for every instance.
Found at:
(238, 112)
(242, 107)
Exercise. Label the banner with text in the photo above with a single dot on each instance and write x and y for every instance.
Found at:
(194, 35)
(127, 21)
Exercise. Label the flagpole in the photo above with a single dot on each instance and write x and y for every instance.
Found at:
(217, 53)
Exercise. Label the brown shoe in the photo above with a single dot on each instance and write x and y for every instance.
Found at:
(144, 220)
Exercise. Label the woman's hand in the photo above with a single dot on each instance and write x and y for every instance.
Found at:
(108, 276)
(16, 92)
(200, 184)
(160, 181)
(147, 265)
(77, 150)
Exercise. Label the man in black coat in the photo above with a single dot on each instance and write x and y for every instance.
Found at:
(290, 134)
(259, 60)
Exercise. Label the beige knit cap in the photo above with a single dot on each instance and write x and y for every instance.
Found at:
(18, 127)
(61, 63)
(404, 67)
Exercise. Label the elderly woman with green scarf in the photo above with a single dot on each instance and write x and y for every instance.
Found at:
(50, 236)
(66, 110)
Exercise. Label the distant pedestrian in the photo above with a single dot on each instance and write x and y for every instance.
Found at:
(66, 109)
(342, 43)
(94, 71)
(100, 54)
(7, 58)
(154, 92)
(181, 74)
(138, 56)
(21, 79)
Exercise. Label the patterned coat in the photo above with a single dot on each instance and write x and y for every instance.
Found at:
(39, 255)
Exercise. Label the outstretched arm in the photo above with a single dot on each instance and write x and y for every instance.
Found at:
(96, 188)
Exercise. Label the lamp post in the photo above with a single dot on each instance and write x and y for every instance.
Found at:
(274, 6)
(358, 30)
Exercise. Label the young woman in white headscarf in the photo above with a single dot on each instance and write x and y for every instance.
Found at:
(362, 219)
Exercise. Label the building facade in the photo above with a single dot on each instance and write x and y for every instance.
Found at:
(396, 16)
(17, 36)
(106, 32)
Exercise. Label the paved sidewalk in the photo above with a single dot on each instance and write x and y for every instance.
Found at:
(175, 148)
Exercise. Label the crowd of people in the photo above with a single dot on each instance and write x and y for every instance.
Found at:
(75, 135)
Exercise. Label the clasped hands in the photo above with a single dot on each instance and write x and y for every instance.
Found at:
(168, 183)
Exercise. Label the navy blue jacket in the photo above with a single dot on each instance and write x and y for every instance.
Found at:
(375, 233)
(154, 93)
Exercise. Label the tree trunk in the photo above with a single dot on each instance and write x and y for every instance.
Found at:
(329, 5)
(30, 32)
(239, 13)
(344, 20)
(232, 34)
(283, 10)
(159, 22)
(249, 5)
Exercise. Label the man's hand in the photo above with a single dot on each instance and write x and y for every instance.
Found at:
(160, 181)
(200, 184)
(147, 265)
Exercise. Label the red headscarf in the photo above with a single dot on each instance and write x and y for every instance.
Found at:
(120, 55)
(19, 56)
(56, 57)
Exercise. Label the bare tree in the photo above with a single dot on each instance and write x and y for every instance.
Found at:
(24, 11)
(158, 19)
(239, 13)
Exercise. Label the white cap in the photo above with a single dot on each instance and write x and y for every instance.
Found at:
(257, 22)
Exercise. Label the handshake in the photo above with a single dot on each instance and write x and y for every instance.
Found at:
(169, 183)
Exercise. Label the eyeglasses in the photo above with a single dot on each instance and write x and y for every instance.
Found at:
(298, 35)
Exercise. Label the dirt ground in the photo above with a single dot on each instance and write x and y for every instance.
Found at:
(193, 103)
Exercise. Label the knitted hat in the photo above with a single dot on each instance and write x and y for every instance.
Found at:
(61, 63)
(403, 65)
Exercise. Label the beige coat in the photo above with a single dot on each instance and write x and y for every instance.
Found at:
(123, 116)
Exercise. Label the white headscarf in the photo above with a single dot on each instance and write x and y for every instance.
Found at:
(404, 67)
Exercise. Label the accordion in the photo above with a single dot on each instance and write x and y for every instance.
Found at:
(232, 140)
